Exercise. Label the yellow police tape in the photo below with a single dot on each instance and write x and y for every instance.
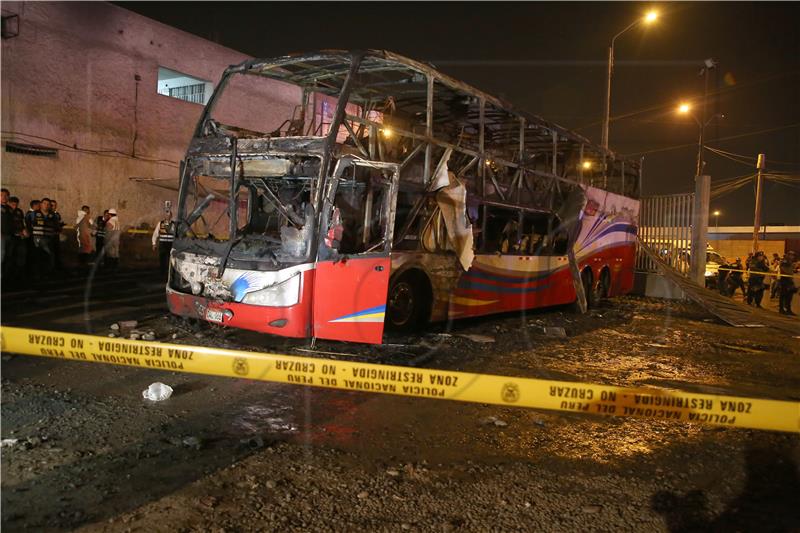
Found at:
(771, 273)
(650, 403)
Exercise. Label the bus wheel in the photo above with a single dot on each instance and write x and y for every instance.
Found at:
(407, 302)
(603, 286)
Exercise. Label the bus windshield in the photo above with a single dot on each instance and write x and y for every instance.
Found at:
(262, 217)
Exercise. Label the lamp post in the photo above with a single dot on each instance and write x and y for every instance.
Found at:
(685, 109)
(716, 220)
(649, 18)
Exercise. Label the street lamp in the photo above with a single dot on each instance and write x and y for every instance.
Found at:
(649, 18)
(716, 219)
(686, 109)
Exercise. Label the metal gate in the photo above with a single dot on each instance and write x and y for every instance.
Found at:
(665, 227)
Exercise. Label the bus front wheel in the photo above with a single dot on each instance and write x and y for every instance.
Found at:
(408, 302)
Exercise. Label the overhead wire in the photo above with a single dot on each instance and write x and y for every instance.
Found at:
(734, 159)
(728, 138)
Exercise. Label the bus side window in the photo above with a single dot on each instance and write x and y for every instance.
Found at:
(560, 243)
(534, 234)
(502, 231)
(475, 214)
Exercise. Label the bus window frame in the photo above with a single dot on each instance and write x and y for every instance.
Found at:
(388, 204)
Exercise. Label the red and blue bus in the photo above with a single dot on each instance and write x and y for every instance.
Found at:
(330, 194)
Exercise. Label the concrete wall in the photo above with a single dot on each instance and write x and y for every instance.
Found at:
(656, 286)
(731, 249)
(69, 78)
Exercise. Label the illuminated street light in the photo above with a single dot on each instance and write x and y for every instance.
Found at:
(587, 165)
(386, 132)
(716, 214)
(684, 108)
(648, 19)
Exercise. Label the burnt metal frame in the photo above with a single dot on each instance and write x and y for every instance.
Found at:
(517, 152)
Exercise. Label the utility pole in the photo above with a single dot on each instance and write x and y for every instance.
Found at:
(762, 162)
(709, 64)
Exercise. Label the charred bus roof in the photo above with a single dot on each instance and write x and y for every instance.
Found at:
(419, 102)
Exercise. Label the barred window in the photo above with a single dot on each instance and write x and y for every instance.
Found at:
(183, 86)
(191, 93)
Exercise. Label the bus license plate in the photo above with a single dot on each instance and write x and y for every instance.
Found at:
(214, 315)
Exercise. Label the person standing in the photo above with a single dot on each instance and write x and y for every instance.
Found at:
(787, 288)
(6, 226)
(41, 235)
(163, 237)
(100, 236)
(112, 239)
(58, 224)
(49, 241)
(83, 231)
(775, 267)
(734, 280)
(34, 261)
(17, 252)
(755, 283)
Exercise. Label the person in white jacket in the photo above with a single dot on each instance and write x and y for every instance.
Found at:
(112, 239)
(83, 226)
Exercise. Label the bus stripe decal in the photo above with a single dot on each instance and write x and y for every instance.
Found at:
(373, 314)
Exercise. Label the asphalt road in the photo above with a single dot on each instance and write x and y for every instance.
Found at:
(239, 455)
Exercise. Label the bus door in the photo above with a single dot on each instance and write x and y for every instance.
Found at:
(353, 267)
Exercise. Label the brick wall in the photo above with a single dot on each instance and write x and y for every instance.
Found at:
(69, 77)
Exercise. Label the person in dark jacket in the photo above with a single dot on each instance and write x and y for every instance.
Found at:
(786, 281)
(100, 236)
(58, 225)
(734, 280)
(14, 267)
(5, 227)
(755, 284)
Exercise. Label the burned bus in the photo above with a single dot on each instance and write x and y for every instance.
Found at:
(329, 194)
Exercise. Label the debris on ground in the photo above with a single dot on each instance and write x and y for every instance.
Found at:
(554, 331)
(493, 421)
(253, 443)
(192, 442)
(128, 324)
(8, 442)
(157, 392)
(475, 337)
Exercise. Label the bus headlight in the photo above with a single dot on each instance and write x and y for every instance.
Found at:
(282, 294)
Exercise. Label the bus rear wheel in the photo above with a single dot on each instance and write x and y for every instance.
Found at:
(603, 286)
(407, 303)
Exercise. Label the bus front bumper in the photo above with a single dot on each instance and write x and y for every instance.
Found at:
(291, 321)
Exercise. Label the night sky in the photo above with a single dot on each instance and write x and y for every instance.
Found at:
(550, 59)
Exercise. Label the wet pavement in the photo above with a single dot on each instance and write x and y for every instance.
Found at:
(241, 455)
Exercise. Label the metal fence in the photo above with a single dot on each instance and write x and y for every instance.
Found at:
(665, 226)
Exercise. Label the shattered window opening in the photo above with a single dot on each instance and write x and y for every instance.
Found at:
(274, 213)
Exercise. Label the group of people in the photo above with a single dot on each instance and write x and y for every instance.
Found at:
(780, 271)
(32, 240)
